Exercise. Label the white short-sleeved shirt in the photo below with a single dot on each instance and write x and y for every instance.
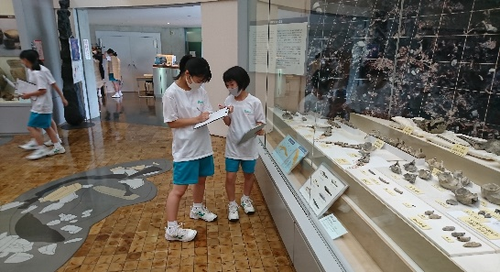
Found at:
(188, 143)
(245, 116)
(40, 104)
(48, 74)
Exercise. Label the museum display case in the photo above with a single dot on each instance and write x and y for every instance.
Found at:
(382, 118)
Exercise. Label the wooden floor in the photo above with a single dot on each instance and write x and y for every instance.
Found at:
(132, 238)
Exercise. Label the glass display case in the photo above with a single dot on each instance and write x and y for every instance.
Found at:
(398, 101)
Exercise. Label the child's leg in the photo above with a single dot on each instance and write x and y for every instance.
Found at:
(231, 186)
(248, 184)
(199, 190)
(54, 127)
(173, 200)
(52, 135)
(36, 134)
(198, 211)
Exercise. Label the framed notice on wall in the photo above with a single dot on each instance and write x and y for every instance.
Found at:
(287, 43)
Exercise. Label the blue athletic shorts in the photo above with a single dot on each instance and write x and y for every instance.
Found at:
(40, 120)
(188, 172)
(233, 165)
(112, 77)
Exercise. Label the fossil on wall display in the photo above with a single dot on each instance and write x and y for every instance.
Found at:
(491, 146)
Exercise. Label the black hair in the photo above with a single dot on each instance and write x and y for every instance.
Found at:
(196, 66)
(112, 52)
(239, 75)
(31, 56)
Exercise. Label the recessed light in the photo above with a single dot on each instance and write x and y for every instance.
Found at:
(168, 23)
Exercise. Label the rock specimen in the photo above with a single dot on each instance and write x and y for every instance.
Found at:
(459, 175)
(452, 202)
(449, 228)
(465, 196)
(395, 168)
(434, 216)
(398, 191)
(424, 174)
(429, 212)
(463, 239)
(447, 181)
(433, 163)
(458, 234)
(491, 192)
(410, 167)
(287, 115)
(410, 177)
(472, 244)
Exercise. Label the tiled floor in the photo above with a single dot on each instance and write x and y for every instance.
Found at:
(131, 239)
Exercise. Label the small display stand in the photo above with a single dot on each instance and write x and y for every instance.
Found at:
(289, 153)
(321, 189)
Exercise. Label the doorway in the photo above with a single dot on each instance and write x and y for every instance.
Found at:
(136, 51)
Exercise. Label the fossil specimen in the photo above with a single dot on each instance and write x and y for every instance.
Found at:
(434, 126)
(287, 115)
(491, 146)
(451, 202)
(383, 180)
(304, 119)
(487, 215)
(419, 154)
(449, 228)
(410, 167)
(434, 216)
(398, 191)
(345, 122)
(472, 244)
(463, 239)
(465, 196)
(410, 177)
(481, 212)
(433, 163)
(491, 192)
(363, 160)
(328, 132)
(457, 234)
(447, 181)
(395, 168)
(334, 124)
(497, 211)
(429, 212)
(424, 174)
(459, 175)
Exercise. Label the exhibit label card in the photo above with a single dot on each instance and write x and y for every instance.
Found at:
(289, 153)
(333, 226)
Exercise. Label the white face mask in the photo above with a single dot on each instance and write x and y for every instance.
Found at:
(193, 85)
(108, 58)
(234, 91)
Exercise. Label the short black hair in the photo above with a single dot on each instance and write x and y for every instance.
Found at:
(239, 75)
(32, 57)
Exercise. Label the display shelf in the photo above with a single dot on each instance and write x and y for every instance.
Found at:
(408, 207)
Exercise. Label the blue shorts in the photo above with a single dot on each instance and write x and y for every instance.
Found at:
(112, 77)
(188, 172)
(233, 165)
(40, 120)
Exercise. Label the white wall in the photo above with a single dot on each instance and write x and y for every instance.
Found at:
(220, 49)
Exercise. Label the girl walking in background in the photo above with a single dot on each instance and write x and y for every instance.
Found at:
(114, 71)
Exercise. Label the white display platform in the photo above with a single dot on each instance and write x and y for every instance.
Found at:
(415, 199)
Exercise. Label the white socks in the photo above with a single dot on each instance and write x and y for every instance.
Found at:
(197, 205)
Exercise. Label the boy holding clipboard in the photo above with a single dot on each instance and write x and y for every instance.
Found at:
(245, 113)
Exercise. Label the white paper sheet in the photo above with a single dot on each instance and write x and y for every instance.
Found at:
(214, 116)
(251, 133)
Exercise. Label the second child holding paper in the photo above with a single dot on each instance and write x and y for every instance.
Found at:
(246, 113)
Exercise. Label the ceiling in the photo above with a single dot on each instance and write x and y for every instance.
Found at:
(178, 16)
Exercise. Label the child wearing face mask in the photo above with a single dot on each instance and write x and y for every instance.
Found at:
(246, 112)
(185, 103)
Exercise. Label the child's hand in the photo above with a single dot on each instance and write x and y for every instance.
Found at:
(64, 101)
(25, 96)
(203, 117)
(230, 108)
(260, 132)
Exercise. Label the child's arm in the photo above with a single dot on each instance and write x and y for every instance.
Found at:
(64, 101)
(185, 122)
(227, 118)
(36, 93)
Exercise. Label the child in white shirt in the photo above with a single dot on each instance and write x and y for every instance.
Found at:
(185, 103)
(246, 112)
(41, 107)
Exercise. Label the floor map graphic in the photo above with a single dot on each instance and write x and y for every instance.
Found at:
(289, 153)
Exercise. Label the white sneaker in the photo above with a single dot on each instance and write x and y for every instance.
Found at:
(232, 213)
(247, 206)
(202, 213)
(56, 150)
(99, 95)
(120, 93)
(31, 145)
(50, 143)
(180, 234)
(38, 154)
(116, 95)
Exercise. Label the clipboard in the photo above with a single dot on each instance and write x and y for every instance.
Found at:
(25, 87)
(250, 134)
(214, 116)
